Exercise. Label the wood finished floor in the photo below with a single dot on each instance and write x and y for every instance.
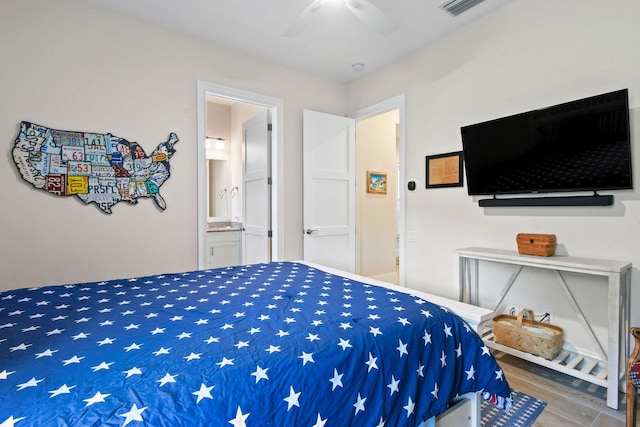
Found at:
(570, 402)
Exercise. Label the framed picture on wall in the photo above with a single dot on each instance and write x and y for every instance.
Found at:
(376, 182)
(444, 170)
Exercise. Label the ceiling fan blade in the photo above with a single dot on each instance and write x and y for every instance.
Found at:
(304, 19)
(372, 16)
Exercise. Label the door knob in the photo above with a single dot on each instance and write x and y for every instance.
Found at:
(310, 231)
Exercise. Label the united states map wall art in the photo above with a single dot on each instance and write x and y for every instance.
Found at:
(97, 168)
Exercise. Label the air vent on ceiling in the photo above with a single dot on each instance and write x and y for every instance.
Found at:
(456, 7)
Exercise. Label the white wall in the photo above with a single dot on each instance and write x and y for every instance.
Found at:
(72, 66)
(526, 55)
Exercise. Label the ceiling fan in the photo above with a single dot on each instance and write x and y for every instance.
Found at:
(362, 9)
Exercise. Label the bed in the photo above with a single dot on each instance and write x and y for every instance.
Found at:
(276, 344)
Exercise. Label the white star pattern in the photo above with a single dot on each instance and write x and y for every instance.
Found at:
(345, 344)
(359, 405)
(10, 422)
(292, 399)
(31, 383)
(225, 362)
(98, 397)
(459, 351)
(306, 358)
(372, 362)
(471, 373)
(203, 393)
(266, 316)
(102, 366)
(46, 353)
(447, 331)
(402, 348)
(74, 359)
(409, 407)
(260, 374)
(404, 321)
(64, 389)
(240, 419)
(133, 371)
(162, 350)
(435, 391)
(168, 378)
(134, 414)
(336, 380)
(426, 338)
(485, 350)
(5, 374)
(393, 385)
(319, 422)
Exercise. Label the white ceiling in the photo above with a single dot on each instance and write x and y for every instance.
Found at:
(334, 40)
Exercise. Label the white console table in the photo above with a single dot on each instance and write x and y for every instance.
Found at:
(608, 370)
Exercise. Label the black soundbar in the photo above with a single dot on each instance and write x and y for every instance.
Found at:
(595, 200)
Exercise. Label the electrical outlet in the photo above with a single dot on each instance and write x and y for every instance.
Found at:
(514, 310)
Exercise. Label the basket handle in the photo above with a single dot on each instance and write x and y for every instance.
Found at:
(521, 316)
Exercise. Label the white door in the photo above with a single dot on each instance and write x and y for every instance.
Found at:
(256, 238)
(329, 192)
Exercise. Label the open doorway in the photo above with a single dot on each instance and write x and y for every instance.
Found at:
(377, 142)
(247, 102)
(238, 148)
(331, 210)
(380, 215)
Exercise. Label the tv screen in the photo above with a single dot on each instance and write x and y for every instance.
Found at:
(582, 145)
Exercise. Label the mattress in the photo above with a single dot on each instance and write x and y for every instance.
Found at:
(275, 344)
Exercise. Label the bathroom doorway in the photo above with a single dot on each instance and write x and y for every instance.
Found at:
(221, 112)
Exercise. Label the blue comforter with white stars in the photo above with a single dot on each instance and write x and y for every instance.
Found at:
(277, 344)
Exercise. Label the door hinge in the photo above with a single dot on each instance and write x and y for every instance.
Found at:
(270, 233)
(269, 181)
(269, 127)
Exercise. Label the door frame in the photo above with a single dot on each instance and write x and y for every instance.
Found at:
(276, 105)
(396, 102)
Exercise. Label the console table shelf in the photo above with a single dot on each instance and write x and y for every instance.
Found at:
(608, 369)
(568, 362)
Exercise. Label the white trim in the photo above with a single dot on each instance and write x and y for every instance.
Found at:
(277, 161)
(397, 102)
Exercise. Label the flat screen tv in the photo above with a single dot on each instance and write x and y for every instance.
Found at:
(582, 145)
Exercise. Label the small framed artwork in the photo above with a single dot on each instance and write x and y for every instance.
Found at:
(444, 170)
(376, 182)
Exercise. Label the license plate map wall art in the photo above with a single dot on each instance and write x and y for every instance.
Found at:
(97, 168)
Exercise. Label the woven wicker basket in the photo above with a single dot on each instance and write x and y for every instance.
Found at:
(541, 339)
